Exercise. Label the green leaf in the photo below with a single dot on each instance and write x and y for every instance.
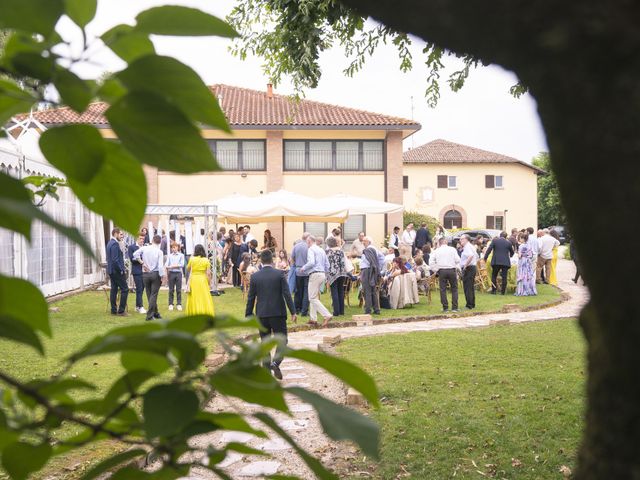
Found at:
(20, 332)
(177, 83)
(20, 459)
(242, 448)
(201, 323)
(74, 91)
(23, 301)
(342, 423)
(76, 150)
(252, 384)
(159, 134)
(230, 421)
(158, 342)
(81, 11)
(152, 362)
(118, 190)
(111, 90)
(61, 387)
(34, 65)
(179, 21)
(128, 44)
(112, 462)
(37, 16)
(315, 466)
(346, 371)
(13, 100)
(167, 409)
(127, 384)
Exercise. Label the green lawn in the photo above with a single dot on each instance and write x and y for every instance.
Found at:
(502, 402)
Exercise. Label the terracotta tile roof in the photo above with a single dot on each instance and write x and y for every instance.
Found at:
(443, 151)
(253, 108)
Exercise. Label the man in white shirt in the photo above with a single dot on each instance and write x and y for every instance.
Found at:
(394, 241)
(248, 236)
(152, 273)
(357, 247)
(407, 241)
(316, 267)
(446, 262)
(468, 262)
(546, 244)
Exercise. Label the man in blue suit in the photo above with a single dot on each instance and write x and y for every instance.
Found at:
(117, 273)
(136, 272)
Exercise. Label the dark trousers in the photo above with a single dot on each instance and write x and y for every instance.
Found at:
(396, 252)
(118, 282)
(302, 295)
(236, 276)
(371, 296)
(273, 326)
(504, 270)
(448, 276)
(337, 296)
(152, 283)
(139, 283)
(175, 282)
(468, 284)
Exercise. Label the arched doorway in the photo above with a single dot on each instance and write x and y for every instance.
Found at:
(452, 219)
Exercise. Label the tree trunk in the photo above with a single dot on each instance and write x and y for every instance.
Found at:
(581, 62)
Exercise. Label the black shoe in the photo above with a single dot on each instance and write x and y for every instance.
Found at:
(445, 310)
(468, 307)
(376, 312)
(148, 319)
(157, 316)
(276, 371)
(455, 310)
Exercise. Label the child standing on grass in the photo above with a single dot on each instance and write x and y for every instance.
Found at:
(174, 266)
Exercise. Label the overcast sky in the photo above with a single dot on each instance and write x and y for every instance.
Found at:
(482, 114)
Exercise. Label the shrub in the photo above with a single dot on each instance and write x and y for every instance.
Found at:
(418, 219)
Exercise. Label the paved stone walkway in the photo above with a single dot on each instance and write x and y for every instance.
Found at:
(303, 425)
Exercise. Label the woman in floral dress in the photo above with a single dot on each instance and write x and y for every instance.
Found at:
(526, 274)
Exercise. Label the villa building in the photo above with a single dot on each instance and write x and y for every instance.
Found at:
(305, 147)
(465, 187)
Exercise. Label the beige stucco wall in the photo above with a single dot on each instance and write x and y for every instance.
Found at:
(471, 198)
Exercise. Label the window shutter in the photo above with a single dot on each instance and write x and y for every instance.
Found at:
(489, 182)
(442, 181)
(491, 222)
(405, 182)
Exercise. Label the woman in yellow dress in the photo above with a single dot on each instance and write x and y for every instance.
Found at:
(199, 300)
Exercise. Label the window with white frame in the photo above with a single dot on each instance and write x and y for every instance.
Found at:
(499, 181)
(317, 229)
(353, 225)
(239, 155)
(452, 182)
(336, 155)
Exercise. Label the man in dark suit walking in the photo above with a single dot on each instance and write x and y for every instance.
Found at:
(422, 237)
(501, 262)
(269, 291)
(117, 273)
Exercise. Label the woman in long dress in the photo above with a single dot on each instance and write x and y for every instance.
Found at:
(526, 280)
(199, 300)
(336, 275)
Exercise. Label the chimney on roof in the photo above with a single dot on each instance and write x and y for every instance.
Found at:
(269, 90)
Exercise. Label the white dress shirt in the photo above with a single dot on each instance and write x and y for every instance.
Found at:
(468, 252)
(408, 237)
(444, 257)
(546, 244)
(151, 258)
(248, 237)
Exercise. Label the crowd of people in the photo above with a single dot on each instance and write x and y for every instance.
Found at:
(149, 267)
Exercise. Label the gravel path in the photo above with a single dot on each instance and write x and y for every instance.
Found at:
(303, 424)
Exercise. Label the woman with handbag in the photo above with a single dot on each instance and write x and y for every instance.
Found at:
(199, 300)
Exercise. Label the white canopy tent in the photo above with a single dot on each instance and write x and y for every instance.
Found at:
(277, 206)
